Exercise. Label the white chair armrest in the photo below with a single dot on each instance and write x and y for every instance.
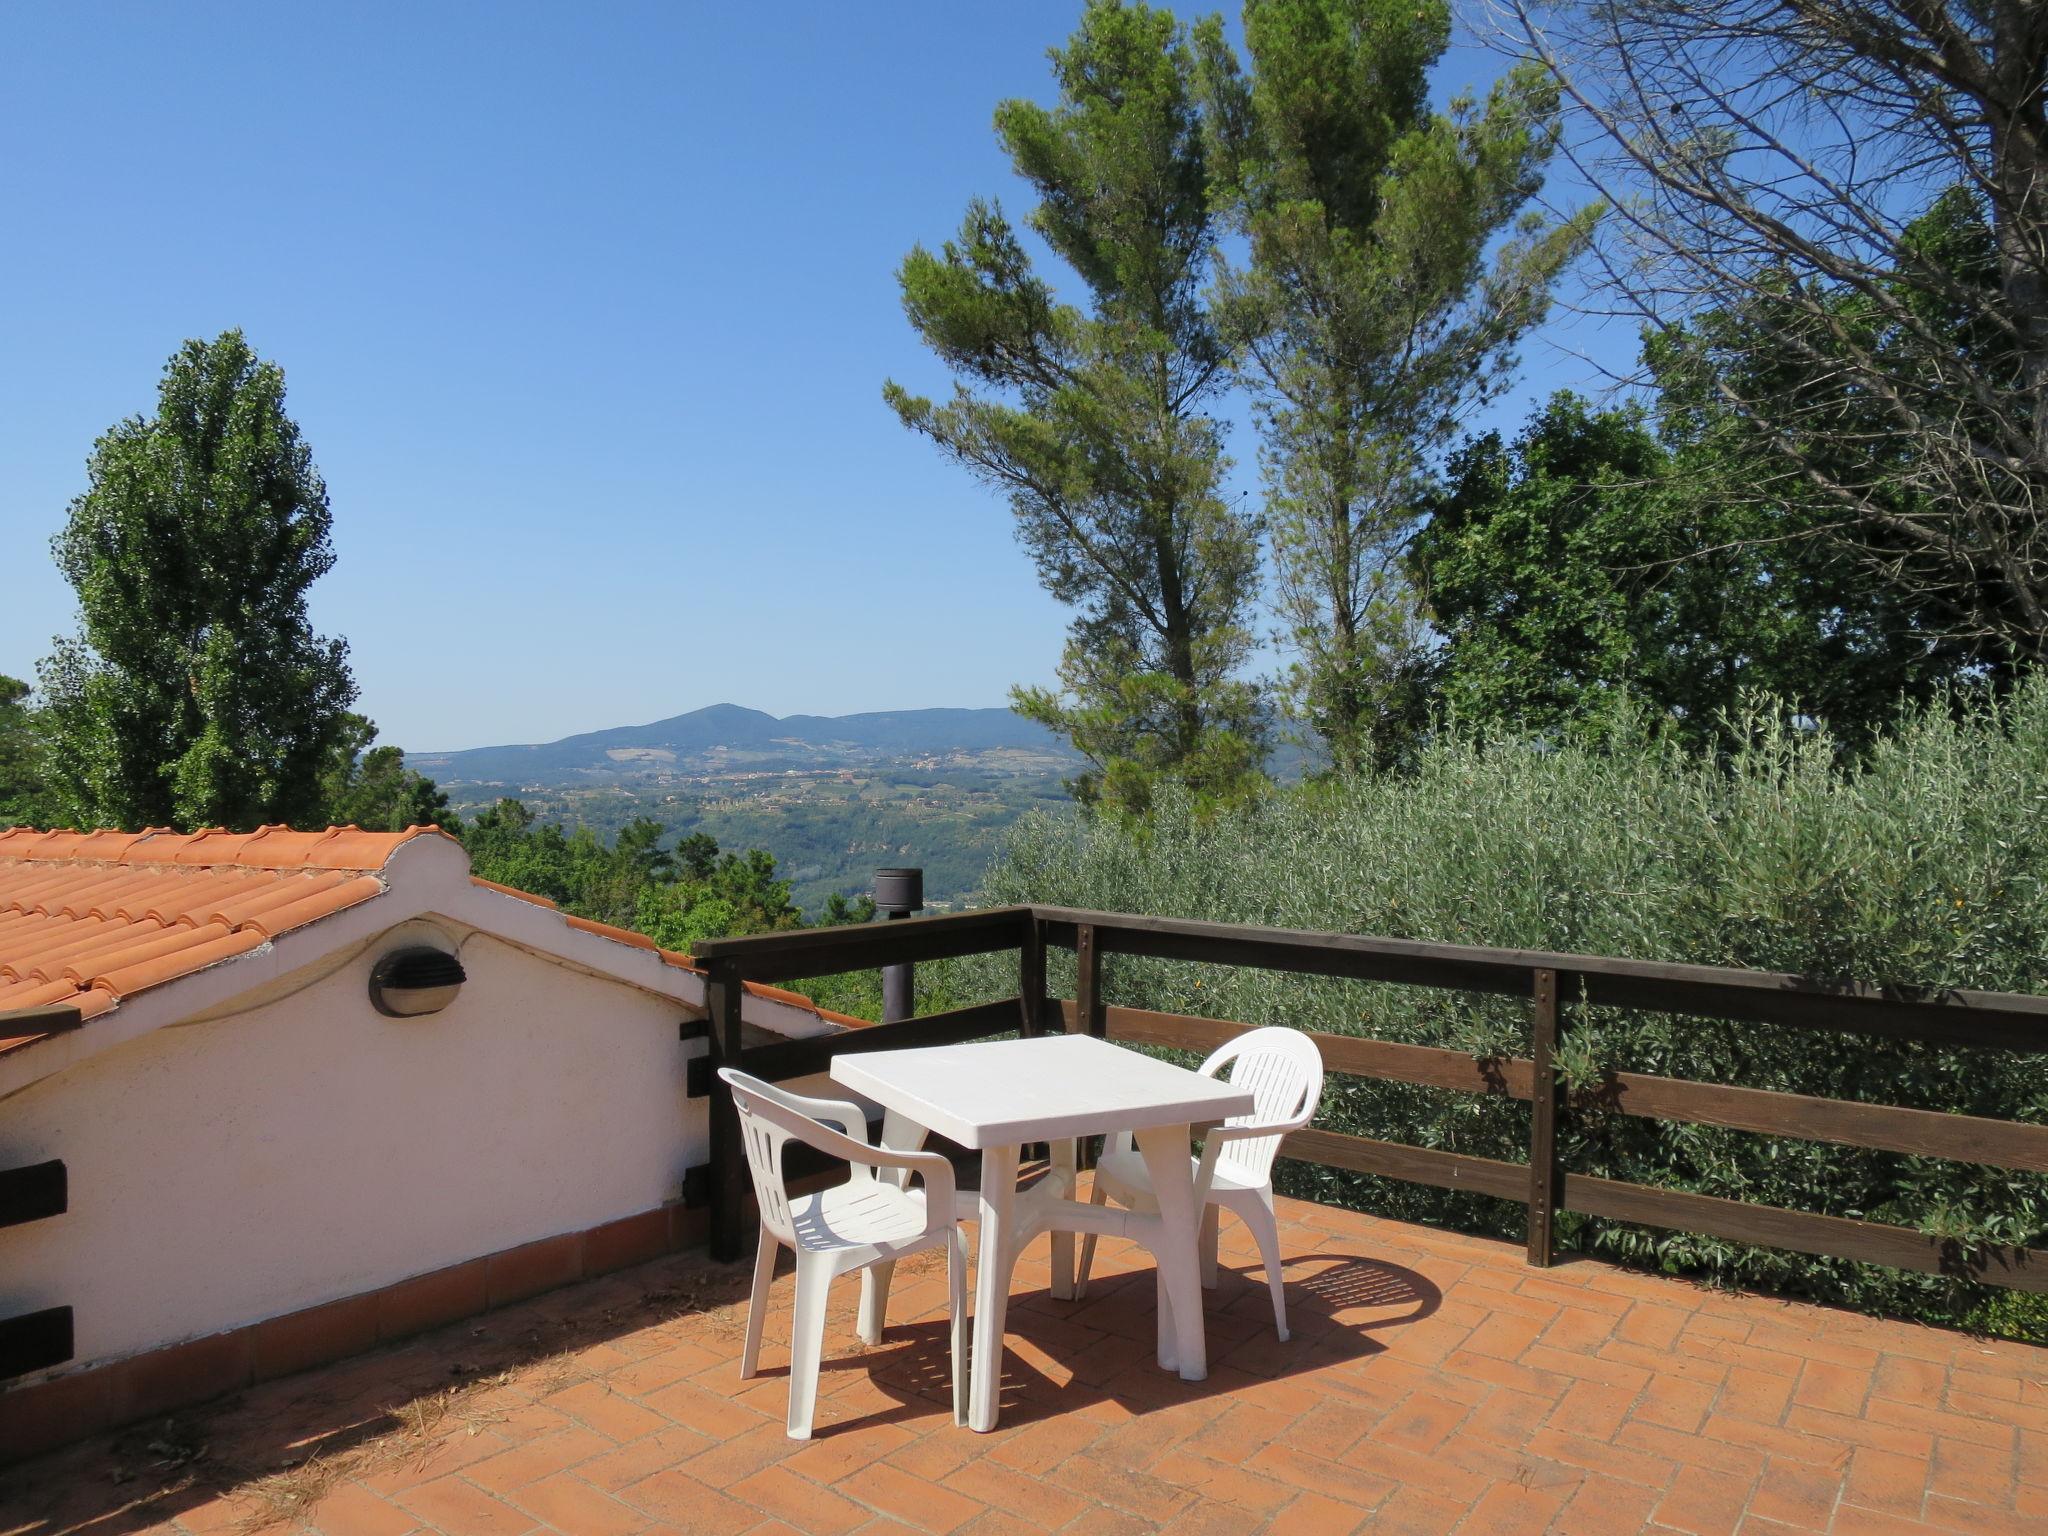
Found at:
(940, 1189)
(1224, 1133)
(1215, 1140)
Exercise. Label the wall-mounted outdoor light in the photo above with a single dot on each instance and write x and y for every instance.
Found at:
(418, 980)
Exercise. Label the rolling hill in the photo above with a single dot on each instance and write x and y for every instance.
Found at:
(832, 797)
(723, 735)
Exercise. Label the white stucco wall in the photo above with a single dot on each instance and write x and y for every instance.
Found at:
(234, 1169)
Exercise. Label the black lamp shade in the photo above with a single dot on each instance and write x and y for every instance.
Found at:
(899, 890)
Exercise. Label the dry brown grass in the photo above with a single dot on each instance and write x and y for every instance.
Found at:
(417, 1426)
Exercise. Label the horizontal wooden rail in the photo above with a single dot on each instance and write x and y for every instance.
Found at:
(1418, 1165)
(1428, 1065)
(1840, 1237)
(785, 1059)
(1940, 1017)
(1880, 1127)
(865, 946)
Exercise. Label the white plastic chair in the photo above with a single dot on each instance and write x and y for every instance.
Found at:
(1284, 1071)
(867, 1220)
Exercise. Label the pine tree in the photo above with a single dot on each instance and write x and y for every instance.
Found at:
(1094, 420)
(1393, 266)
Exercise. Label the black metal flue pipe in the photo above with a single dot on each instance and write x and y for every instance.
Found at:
(899, 893)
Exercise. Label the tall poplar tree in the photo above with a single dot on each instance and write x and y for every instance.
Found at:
(1394, 263)
(1094, 420)
(196, 693)
(24, 789)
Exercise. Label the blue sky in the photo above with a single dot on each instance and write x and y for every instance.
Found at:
(585, 311)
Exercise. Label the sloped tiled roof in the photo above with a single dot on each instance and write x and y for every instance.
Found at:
(88, 918)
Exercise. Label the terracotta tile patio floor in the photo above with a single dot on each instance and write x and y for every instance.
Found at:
(1434, 1383)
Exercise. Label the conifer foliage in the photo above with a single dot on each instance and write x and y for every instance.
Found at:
(1094, 420)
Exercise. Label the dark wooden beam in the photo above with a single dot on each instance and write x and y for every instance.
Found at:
(1428, 1065)
(35, 1341)
(1418, 1165)
(867, 946)
(1839, 1237)
(46, 1019)
(1544, 1170)
(1882, 1127)
(33, 1192)
(1948, 1017)
(799, 1058)
(1031, 980)
(724, 993)
(1091, 1016)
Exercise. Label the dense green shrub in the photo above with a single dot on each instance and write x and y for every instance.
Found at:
(1922, 864)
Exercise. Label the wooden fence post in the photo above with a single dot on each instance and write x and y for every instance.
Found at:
(1031, 976)
(1090, 1018)
(1544, 1177)
(723, 992)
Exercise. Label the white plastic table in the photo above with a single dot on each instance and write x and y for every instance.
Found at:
(995, 1096)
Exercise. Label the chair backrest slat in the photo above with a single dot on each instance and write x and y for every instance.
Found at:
(771, 1118)
(1284, 1072)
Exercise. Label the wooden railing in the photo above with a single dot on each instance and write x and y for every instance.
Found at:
(1552, 983)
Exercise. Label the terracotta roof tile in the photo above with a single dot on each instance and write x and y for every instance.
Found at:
(273, 920)
(110, 846)
(32, 894)
(56, 844)
(47, 960)
(606, 930)
(152, 845)
(845, 1020)
(192, 897)
(778, 995)
(270, 892)
(210, 845)
(79, 900)
(89, 918)
(33, 993)
(114, 902)
(180, 962)
(132, 948)
(513, 890)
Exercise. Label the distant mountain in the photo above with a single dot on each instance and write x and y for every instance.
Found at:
(725, 739)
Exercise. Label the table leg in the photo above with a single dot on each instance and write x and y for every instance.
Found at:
(900, 1133)
(992, 1283)
(1064, 1162)
(1165, 1150)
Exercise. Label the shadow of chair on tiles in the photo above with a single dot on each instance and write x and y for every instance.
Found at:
(1068, 1356)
